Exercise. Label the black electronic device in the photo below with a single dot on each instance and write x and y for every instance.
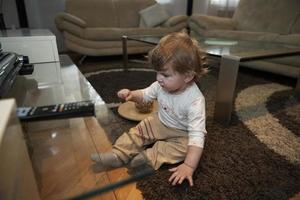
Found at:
(26, 69)
(8, 63)
(11, 65)
(9, 68)
(24, 59)
(57, 111)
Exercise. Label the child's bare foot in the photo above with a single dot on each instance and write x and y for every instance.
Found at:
(105, 161)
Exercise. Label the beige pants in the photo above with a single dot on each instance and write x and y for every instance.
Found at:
(169, 144)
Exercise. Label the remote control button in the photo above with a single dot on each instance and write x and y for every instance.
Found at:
(61, 107)
(32, 111)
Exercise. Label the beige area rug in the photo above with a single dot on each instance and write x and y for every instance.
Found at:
(257, 157)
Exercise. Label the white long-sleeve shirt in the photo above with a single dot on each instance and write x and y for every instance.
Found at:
(184, 110)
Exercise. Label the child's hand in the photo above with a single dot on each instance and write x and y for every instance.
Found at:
(125, 94)
(180, 173)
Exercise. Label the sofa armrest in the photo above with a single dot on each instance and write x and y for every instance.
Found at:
(61, 17)
(174, 20)
(207, 22)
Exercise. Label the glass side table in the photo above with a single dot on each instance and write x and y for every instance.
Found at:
(230, 53)
(60, 149)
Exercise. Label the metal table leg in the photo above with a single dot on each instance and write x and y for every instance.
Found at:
(125, 54)
(297, 89)
(229, 68)
(82, 59)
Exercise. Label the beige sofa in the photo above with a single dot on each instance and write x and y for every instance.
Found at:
(258, 20)
(95, 27)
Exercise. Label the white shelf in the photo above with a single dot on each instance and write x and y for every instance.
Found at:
(38, 44)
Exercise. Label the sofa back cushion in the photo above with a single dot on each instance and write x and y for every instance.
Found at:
(96, 13)
(128, 11)
(296, 26)
(153, 16)
(267, 15)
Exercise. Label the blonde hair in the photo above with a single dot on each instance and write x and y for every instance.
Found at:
(181, 52)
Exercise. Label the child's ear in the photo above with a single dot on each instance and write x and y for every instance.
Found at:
(189, 76)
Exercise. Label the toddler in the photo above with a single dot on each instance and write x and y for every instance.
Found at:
(177, 132)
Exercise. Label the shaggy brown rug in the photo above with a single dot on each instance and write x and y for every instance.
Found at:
(256, 157)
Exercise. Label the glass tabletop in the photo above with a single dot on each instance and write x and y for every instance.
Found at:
(150, 39)
(244, 49)
(60, 149)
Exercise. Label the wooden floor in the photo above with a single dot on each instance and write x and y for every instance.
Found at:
(61, 159)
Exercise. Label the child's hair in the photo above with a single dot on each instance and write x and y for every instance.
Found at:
(181, 52)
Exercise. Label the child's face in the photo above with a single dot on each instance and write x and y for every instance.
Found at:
(172, 81)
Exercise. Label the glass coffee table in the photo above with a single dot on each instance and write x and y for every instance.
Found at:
(230, 53)
(60, 149)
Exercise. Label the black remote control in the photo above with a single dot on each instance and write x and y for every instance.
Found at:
(57, 111)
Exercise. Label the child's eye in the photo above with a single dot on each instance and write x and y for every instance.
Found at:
(164, 74)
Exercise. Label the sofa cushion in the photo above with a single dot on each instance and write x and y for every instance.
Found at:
(106, 51)
(296, 25)
(266, 65)
(100, 43)
(174, 20)
(104, 34)
(212, 22)
(241, 35)
(291, 39)
(95, 13)
(268, 16)
(153, 15)
(142, 23)
(128, 11)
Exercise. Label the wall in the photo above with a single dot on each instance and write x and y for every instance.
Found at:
(200, 6)
(41, 13)
(10, 17)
